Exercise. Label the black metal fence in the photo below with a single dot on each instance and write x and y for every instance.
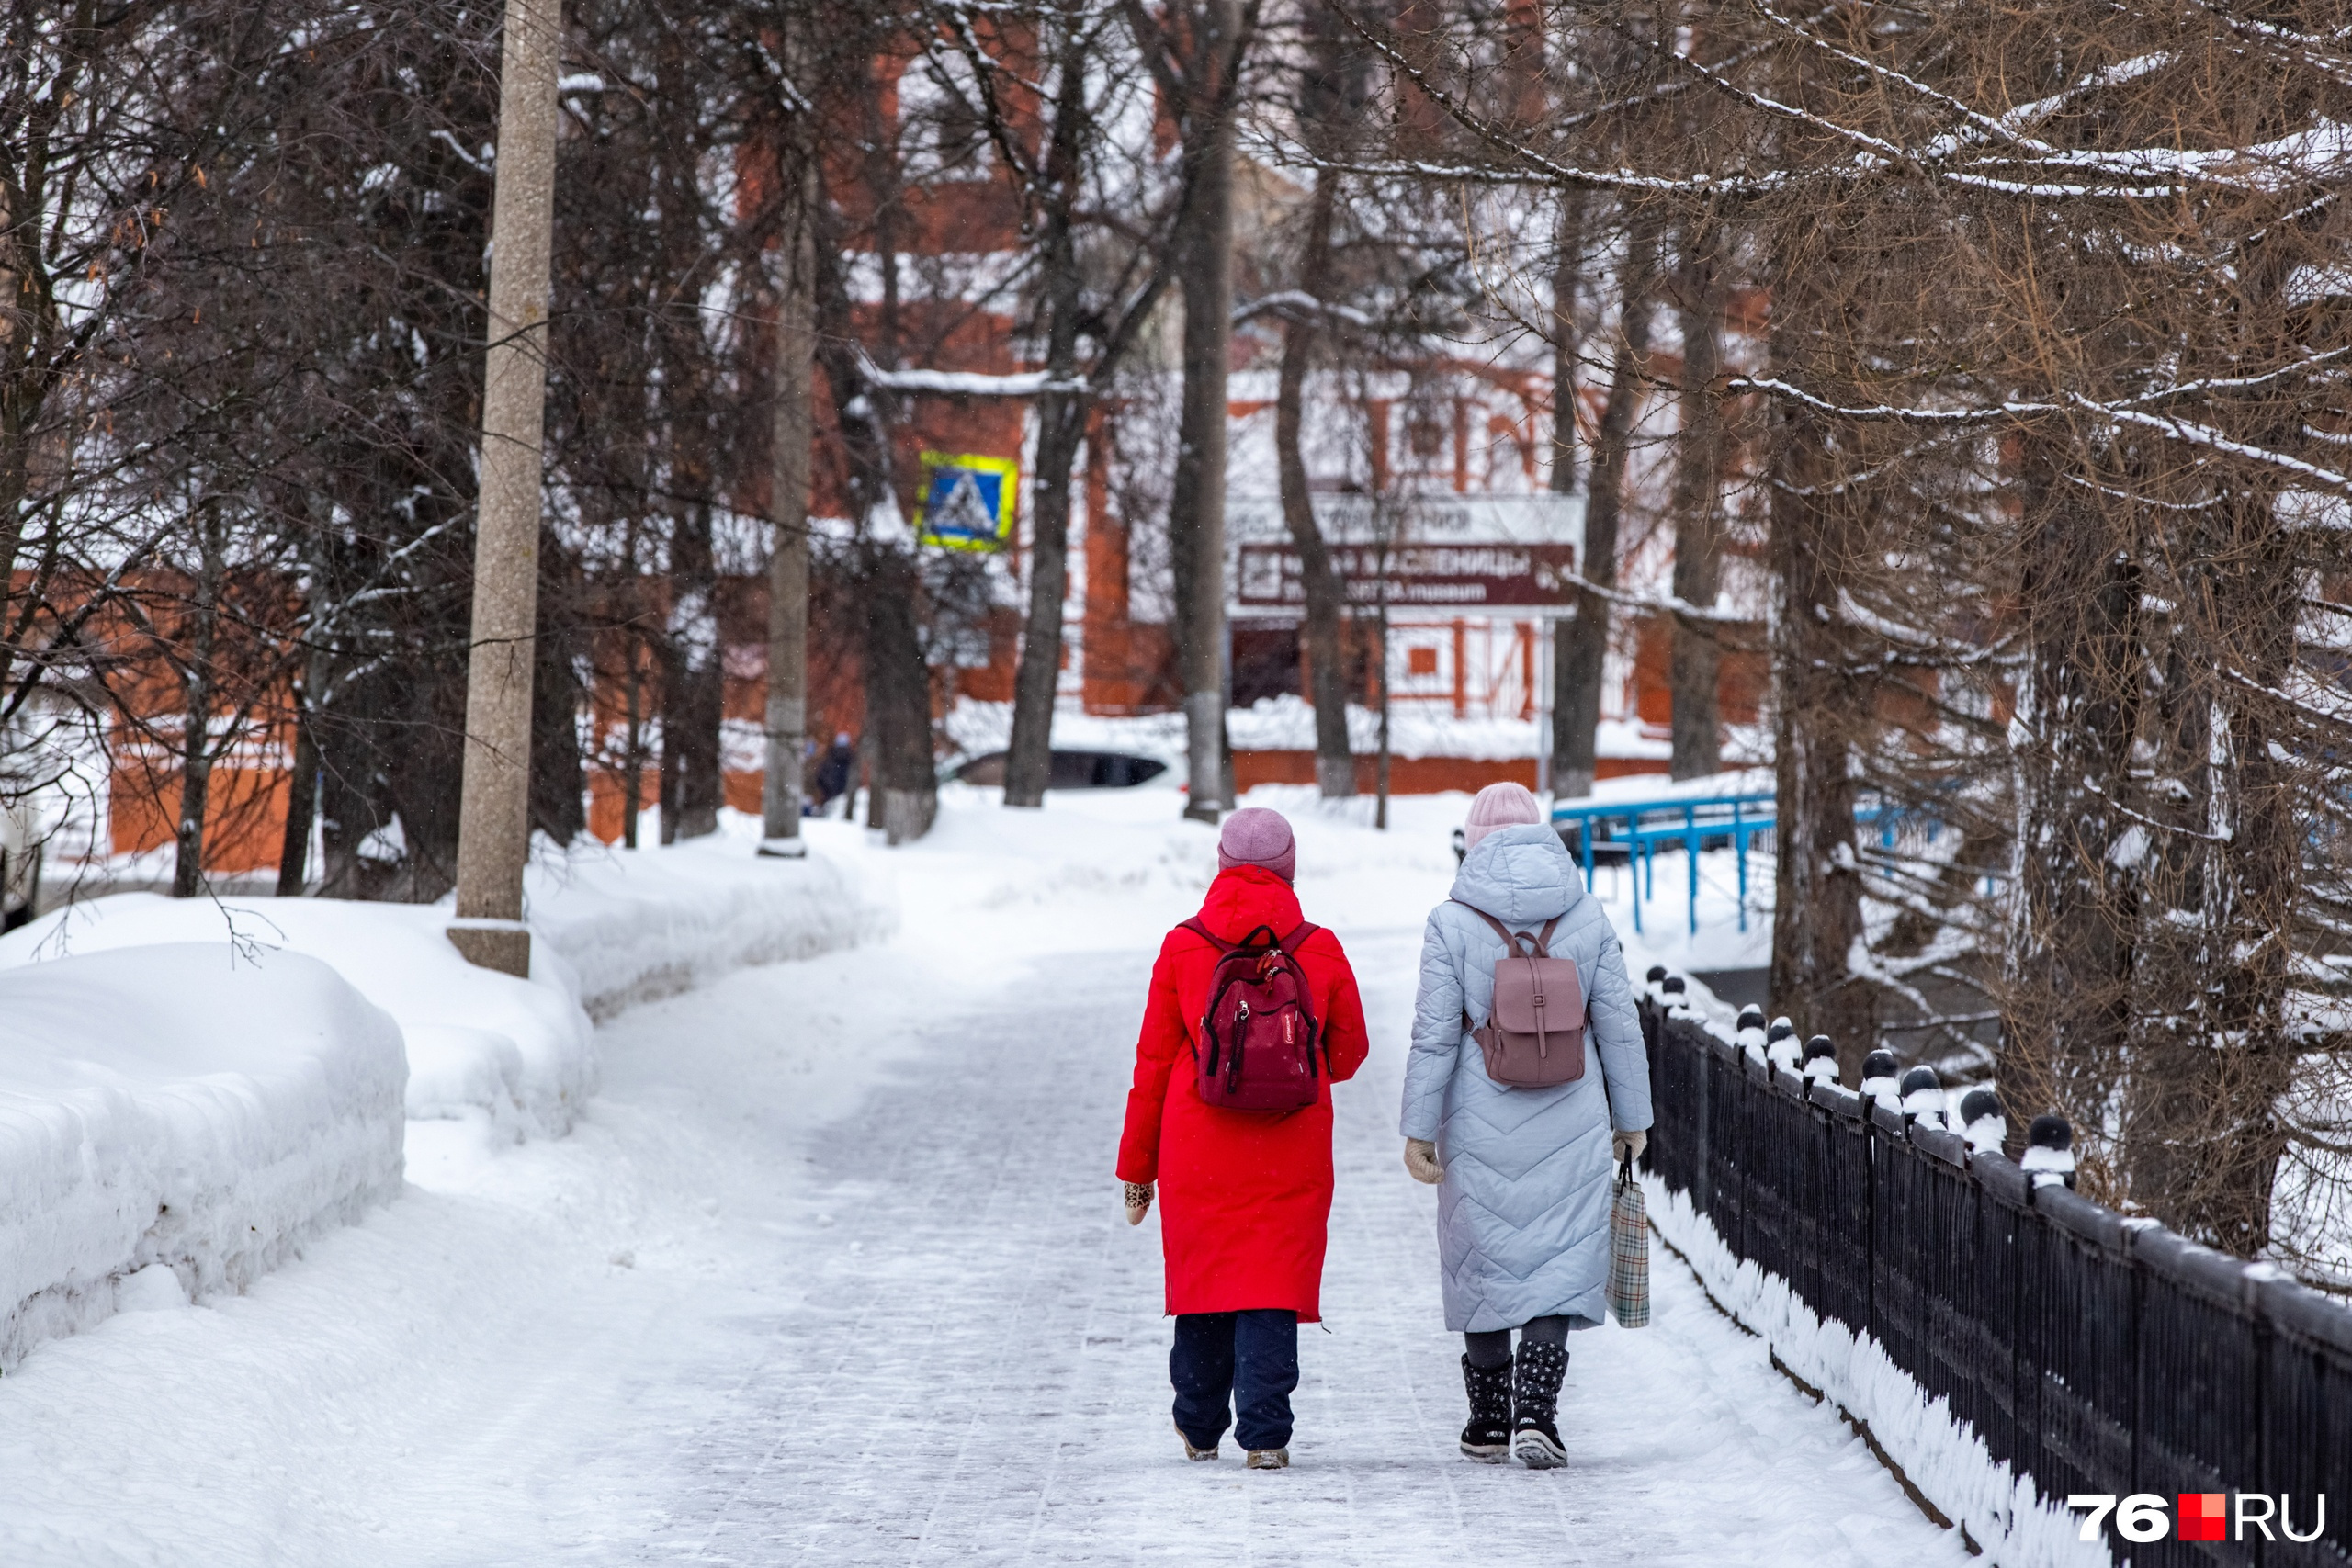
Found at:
(2093, 1354)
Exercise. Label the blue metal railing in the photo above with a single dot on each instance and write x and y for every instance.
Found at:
(1689, 820)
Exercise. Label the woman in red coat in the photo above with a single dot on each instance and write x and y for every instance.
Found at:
(1249, 1193)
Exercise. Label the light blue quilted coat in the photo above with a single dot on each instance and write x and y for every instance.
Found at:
(1523, 1212)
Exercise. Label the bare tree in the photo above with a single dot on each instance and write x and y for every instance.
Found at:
(1055, 87)
(1198, 51)
(1702, 289)
(1583, 641)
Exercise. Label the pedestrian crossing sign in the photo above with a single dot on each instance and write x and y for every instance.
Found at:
(966, 500)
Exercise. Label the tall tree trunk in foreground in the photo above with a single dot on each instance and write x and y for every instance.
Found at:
(1817, 706)
(2067, 1016)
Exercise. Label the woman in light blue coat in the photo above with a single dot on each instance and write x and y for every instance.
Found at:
(1523, 1174)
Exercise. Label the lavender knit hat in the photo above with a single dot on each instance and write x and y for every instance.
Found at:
(1255, 836)
(1499, 805)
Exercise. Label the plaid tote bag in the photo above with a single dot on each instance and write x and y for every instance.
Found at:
(1629, 1252)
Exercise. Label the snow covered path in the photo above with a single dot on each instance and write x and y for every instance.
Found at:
(976, 1369)
(833, 1272)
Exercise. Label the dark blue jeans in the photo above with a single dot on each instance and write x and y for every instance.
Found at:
(1236, 1366)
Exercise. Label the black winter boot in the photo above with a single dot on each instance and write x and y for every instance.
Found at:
(1487, 1438)
(1536, 1440)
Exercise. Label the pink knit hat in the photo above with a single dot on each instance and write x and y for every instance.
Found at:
(1255, 836)
(1499, 805)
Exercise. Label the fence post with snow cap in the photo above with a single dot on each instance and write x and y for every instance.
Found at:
(1749, 1031)
(1820, 1063)
(1923, 1097)
(2006, 1342)
(2048, 1156)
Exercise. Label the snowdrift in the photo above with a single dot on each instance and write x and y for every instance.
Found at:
(521, 1051)
(188, 1087)
(613, 927)
(640, 924)
(175, 1119)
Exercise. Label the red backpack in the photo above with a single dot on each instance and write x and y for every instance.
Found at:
(1256, 1050)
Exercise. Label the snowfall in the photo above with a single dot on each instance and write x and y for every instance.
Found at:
(772, 1220)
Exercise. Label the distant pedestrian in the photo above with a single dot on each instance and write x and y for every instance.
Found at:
(1253, 1016)
(1523, 1167)
(836, 773)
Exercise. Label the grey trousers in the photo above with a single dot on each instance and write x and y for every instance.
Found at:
(1492, 1348)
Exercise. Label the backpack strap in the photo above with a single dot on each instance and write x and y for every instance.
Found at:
(1512, 939)
(1290, 944)
(1542, 941)
(1206, 935)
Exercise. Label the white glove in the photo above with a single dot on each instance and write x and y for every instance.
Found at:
(1420, 1161)
(1139, 1201)
(1623, 1147)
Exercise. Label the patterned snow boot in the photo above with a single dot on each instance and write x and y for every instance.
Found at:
(1536, 1439)
(1487, 1438)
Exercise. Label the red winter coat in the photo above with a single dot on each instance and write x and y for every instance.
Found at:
(1244, 1196)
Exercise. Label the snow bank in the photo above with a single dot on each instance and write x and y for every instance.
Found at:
(613, 927)
(637, 924)
(175, 1119)
(520, 1051)
(1287, 724)
(2002, 1512)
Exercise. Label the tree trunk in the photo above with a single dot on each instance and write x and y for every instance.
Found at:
(1335, 763)
(1380, 767)
(693, 704)
(2214, 1060)
(897, 746)
(1818, 882)
(783, 788)
(2066, 1012)
(1061, 430)
(558, 781)
(1567, 277)
(196, 686)
(301, 793)
(1698, 505)
(897, 701)
(1582, 649)
(1028, 764)
(633, 753)
(494, 811)
(1196, 505)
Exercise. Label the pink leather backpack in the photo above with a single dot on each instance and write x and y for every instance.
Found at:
(1533, 1036)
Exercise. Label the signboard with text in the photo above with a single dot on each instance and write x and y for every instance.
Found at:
(1453, 575)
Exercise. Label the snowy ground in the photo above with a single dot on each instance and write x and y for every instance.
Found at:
(831, 1272)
